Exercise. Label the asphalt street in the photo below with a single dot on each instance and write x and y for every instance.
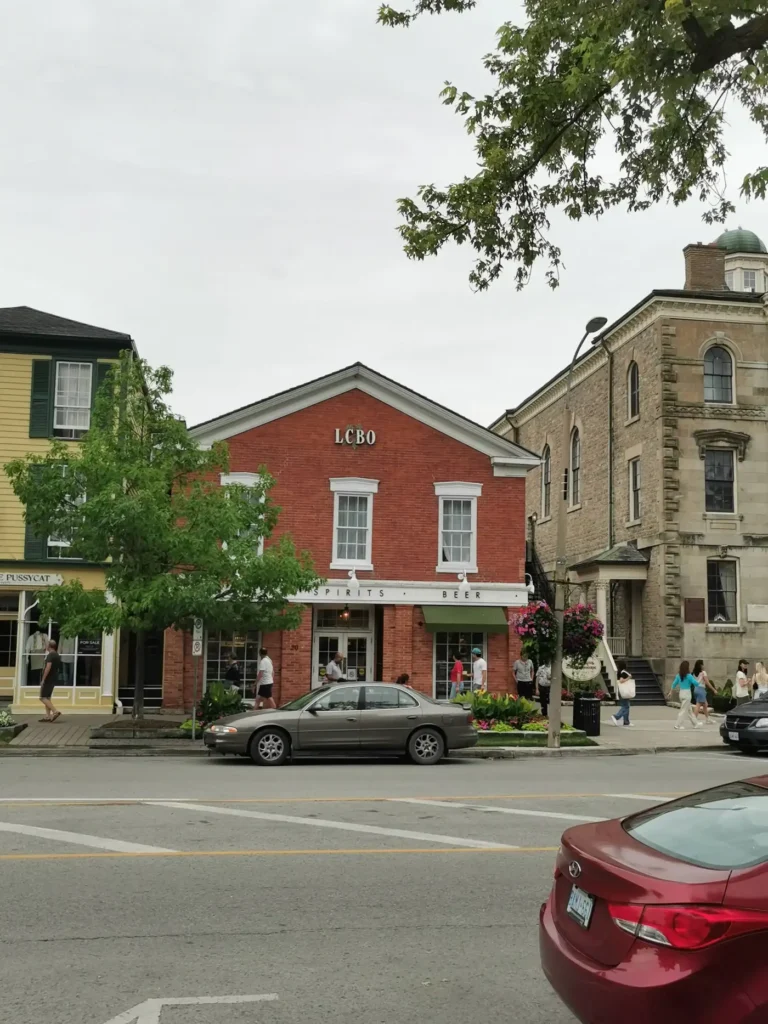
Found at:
(158, 891)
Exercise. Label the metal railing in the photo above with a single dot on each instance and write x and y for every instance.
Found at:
(618, 645)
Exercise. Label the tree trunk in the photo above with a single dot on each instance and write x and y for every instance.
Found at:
(138, 675)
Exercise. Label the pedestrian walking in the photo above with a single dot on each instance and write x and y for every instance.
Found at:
(625, 686)
(523, 672)
(265, 680)
(700, 692)
(479, 670)
(233, 675)
(457, 675)
(685, 684)
(333, 669)
(48, 683)
(760, 681)
(543, 687)
(742, 689)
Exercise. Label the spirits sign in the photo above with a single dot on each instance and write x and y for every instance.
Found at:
(354, 436)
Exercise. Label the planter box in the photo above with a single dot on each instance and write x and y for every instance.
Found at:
(524, 734)
(103, 732)
(7, 732)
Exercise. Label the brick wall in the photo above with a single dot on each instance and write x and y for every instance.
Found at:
(407, 460)
(704, 268)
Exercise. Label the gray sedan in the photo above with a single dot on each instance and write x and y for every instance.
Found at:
(347, 719)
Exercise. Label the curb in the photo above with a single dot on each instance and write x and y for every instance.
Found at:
(473, 753)
(520, 752)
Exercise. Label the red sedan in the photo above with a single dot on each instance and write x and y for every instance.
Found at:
(663, 916)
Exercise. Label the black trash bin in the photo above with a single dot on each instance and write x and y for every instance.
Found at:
(586, 715)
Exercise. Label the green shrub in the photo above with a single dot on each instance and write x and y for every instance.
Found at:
(499, 707)
(218, 701)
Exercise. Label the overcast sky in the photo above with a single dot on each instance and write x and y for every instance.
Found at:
(219, 180)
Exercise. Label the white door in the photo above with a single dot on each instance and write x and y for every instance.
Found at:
(356, 651)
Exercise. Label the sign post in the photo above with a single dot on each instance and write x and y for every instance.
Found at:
(197, 651)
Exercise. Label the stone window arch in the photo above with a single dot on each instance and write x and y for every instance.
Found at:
(718, 375)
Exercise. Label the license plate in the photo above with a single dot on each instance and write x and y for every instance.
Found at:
(580, 906)
(733, 736)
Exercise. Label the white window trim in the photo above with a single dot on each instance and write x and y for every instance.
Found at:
(243, 480)
(460, 490)
(633, 520)
(723, 344)
(574, 505)
(545, 516)
(722, 515)
(353, 485)
(71, 362)
(632, 417)
(724, 627)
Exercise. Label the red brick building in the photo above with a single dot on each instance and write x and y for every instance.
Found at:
(414, 514)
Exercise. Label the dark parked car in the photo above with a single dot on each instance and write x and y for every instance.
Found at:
(663, 916)
(347, 719)
(746, 726)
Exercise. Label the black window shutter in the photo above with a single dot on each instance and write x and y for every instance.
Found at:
(35, 548)
(40, 406)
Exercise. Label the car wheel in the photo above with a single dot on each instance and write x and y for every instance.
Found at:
(269, 747)
(426, 746)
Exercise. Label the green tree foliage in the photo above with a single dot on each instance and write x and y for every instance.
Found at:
(139, 496)
(651, 78)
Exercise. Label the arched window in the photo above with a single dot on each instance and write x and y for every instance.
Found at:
(575, 467)
(546, 482)
(633, 391)
(718, 375)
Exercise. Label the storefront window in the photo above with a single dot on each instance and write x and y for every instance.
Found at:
(445, 646)
(244, 647)
(8, 633)
(80, 656)
(343, 618)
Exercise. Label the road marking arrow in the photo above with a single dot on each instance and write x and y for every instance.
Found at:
(149, 1011)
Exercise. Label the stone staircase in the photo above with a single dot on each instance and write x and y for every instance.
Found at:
(648, 690)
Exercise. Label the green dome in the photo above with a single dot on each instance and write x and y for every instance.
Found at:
(740, 241)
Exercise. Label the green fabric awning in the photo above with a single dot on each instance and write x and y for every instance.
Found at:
(454, 618)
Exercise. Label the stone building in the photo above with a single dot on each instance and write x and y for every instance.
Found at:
(667, 457)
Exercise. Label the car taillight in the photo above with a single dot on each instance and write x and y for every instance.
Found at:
(682, 927)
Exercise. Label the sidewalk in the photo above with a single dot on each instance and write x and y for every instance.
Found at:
(68, 731)
(653, 727)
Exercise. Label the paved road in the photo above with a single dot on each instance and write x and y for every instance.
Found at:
(351, 892)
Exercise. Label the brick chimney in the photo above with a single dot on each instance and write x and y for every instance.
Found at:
(704, 268)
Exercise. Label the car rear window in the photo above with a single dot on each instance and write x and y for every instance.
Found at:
(724, 828)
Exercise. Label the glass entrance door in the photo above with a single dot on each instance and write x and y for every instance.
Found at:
(355, 650)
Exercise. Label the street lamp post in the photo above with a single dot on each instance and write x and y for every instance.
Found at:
(556, 692)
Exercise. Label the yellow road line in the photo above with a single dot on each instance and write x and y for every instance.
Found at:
(132, 802)
(272, 853)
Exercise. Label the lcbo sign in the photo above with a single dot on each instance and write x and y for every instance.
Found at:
(355, 436)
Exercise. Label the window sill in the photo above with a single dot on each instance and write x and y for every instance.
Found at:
(723, 516)
(574, 508)
(632, 419)
(544, 519)
(456, 568)
(725, 627)
(357, 566)
(633, 522)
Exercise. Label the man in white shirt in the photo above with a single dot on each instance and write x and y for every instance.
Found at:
(333, 672)
(479, 670)
(265, 680)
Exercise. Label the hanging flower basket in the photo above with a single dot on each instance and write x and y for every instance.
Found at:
(582, 631)
(537, 628)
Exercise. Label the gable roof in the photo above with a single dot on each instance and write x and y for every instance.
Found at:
(363, 378)
(619, 554)
(23, 320)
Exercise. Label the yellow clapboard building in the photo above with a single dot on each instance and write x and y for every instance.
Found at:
(50, 369)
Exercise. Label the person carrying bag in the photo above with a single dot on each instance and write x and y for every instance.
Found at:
(626, 691)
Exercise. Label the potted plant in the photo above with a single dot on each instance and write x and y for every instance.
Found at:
(582, 631)
(537, 628)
